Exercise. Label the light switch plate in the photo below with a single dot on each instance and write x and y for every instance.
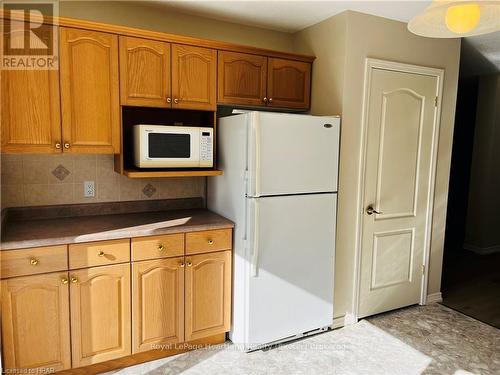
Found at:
(89, 189)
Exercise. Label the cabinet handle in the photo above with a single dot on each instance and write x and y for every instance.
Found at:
(210, 242)
(66, 146)
(176, 101)
(74, 279)
(161, 247)
(264, 100)
(33, 261)
(181, 264)
(64, 280)
(189, 264)
(169, 100)
(58, 145)
(270, 100)
(100, 253)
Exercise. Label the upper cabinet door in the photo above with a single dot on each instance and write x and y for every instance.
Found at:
(144, 72)
(194, 77)
(242, 78)
(289, 83)
(89, 91)
(30, 111)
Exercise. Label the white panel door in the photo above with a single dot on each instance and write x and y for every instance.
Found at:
(291, 283)
(290, 154)
(397, 184)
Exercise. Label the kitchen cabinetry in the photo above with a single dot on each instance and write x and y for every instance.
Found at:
(35, 322)
(208, 310)
(145, 72)
(288, 83)
(90, 103)
(157, 303)
(100, 314)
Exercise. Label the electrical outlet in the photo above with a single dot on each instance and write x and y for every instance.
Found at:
(89, 189)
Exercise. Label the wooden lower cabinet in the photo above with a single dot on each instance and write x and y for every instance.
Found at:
(157, 303)
(100, 314)
(208, 294)
(35, 322)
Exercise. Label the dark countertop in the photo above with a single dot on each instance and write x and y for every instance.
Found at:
(21, 232)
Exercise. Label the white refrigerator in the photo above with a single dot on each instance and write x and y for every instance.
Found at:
(280, 188)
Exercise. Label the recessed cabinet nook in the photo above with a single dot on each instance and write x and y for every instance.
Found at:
(108, 75)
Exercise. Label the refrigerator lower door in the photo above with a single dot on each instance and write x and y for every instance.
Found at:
(290, 286)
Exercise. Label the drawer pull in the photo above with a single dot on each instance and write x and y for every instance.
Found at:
(161, 247)
(210, 242)
(100, 253)
(33, 261)
(189, 264)
(64, 280)
(74, 280)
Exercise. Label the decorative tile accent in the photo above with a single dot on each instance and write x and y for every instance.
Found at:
(61, 172)
(149, 190)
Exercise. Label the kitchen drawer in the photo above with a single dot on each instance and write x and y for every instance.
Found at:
(101, 253)
(153, 247)
(208, 241)
(32, 261)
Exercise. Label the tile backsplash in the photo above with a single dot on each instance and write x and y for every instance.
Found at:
(40, 179)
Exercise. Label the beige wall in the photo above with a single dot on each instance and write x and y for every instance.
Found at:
(31, 180)
(147, 15)
(369, 36)
(483, 221)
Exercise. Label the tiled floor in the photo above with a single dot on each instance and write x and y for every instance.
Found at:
(417, 340)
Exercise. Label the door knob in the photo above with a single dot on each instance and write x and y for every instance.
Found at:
(176, 101)
(169, 100)
(66, 146)
(370, 211)
(270, 100)
(58, 145)
(264, 100)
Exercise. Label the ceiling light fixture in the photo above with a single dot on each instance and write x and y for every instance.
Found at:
(457, 18)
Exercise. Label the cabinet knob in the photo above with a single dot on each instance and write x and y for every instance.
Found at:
(264, 100)
(58, 145)
(176, 101)
(181, 264)
(66, 146)
(169, 100)
(189, 263)
(210, 242)
(270, 100)
(64, 280)
(33, 261)
(100, 253)
(161, 247)
(74, 279)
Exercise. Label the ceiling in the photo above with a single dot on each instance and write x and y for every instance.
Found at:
(291, 16)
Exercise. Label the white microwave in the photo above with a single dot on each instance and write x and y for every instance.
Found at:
(161, 146)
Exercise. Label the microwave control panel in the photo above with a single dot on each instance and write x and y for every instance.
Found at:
(206, 148)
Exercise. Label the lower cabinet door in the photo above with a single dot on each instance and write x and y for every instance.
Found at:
(35, 322)
(157, 303)
(208, 294)
(100, 314)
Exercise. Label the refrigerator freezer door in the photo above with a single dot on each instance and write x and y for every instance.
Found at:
(292, 245)
(292, 154)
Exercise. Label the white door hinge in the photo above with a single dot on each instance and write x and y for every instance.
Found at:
(436, 101)
(423, 269)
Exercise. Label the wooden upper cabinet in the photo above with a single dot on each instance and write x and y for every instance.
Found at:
(208, 294)
(242, 78)
(35, 322)
(144, 72)
(157, 303)
(194, 73)
(89, 91)
(30, 111)
(288, 83)
(100, 314)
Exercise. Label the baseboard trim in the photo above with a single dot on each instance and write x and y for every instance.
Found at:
(338, 322)
(482, 250)
(434, 298)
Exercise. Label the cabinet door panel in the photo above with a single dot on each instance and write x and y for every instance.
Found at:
(208, 294)
(35, 322)
(289, 83)
(100, 314)
(30, 111)
(242, 78)
(144, 72)
(194, 77)
(158, 303)
(90, 91)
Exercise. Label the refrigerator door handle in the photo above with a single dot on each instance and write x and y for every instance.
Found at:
(255, 251)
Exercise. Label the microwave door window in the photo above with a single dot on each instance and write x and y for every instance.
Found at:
(169, 146)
